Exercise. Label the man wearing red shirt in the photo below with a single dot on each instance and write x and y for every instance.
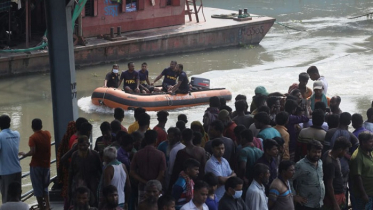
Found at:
(148, 163)
(40, 150)
(229, 125)
(162, 120)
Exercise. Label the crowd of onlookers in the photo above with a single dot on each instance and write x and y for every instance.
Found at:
(283, 151)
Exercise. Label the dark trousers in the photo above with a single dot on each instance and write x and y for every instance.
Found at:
(5, 180)
(300, 207)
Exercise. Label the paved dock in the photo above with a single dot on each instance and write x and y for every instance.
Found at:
(192, 36)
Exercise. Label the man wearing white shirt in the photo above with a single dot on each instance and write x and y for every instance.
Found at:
(315, 76)
(174, 140)
(255, 195)
(199, 197)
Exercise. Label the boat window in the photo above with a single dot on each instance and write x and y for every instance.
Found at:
(171, 2)
(131, 5)
(175, 2)
(90, 8)
(165, 3)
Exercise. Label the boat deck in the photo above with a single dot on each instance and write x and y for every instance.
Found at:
(211, 24)
(192, 36)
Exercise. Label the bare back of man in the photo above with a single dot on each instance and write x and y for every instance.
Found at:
(197, 153)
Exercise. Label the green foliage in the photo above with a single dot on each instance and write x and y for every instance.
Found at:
(246, 46)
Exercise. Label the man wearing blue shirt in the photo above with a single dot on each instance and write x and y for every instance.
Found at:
(219, 166)
(170, 76)
(182, 85)
(144, 79)
(130, 79)
(10, 169)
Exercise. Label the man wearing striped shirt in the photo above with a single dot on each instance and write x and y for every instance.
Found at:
(183, 188)
(280, 194)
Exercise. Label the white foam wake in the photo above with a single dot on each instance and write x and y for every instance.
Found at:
(86, 105)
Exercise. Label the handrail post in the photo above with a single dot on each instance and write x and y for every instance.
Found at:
(62, 65)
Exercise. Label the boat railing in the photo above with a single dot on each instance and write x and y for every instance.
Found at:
(30, 193)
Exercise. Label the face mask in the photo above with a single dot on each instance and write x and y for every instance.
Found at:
(237, 194)
(115, 71)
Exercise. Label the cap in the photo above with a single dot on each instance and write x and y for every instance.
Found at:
(261, 90)
(318, 85)
(223, 114)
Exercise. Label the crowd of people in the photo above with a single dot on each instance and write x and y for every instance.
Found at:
(283, 151)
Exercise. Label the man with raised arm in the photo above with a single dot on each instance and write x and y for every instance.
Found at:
(40, 150)
(169, 77)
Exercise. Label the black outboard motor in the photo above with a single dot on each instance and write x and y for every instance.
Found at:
(200, 83)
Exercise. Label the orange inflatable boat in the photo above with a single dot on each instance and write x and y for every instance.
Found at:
(114, 98)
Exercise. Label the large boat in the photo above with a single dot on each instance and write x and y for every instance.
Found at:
(145, 31)
(113, 97)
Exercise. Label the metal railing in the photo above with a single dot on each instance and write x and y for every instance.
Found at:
(30, 193)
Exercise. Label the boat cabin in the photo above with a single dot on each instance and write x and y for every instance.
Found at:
(131, 15)
(22, 18)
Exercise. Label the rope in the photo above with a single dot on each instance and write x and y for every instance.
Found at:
(169, 101)
(258, 16)
(289, 27)
(103, 97)
(42, 46)
(231, 16)
(370, 13)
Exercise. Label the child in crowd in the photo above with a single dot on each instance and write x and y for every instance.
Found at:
(212, 181)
